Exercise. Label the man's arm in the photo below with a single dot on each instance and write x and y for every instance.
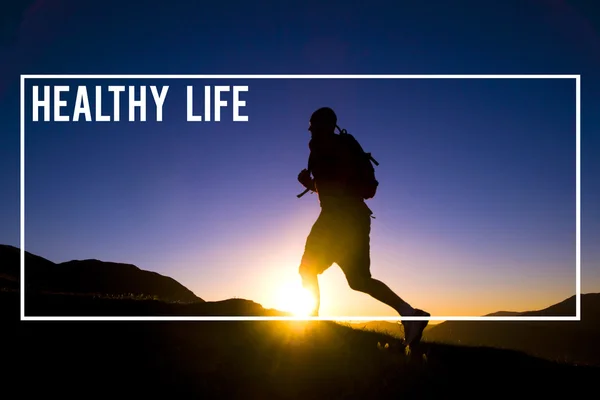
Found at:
(306, 180)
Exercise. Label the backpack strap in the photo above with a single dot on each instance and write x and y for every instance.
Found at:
(345, 132)
(303, 193)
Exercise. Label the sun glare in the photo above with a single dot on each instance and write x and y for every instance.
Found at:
(293, 298)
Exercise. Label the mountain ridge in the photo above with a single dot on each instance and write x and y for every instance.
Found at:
(91, 276)
(574, 341)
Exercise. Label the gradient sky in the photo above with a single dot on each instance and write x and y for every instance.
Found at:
(476, 207)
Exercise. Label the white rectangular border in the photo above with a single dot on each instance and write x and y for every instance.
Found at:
(577, 316)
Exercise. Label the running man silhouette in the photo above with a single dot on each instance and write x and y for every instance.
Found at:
(341, 233)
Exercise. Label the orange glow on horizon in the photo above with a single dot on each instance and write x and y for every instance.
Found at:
(292, 297)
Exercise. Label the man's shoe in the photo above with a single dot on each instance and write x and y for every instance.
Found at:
(413, 330)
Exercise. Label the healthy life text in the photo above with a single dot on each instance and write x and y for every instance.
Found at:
(51, 103)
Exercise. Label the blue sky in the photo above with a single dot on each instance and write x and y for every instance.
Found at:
(476, 209)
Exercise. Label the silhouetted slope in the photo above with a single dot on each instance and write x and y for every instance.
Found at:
(503, 314)
(567, 307)
(66, 305)
(255, 360)
(388, 328)
(394, 329)
(90, 277)
(10, 261)
(573, 341)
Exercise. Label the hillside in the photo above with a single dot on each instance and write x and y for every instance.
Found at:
(89, 277)
(67, 305)
(389, 328)
(259, 360)
(229, 359)
(571, 341)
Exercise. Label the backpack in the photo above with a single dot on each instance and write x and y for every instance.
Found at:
(366, 183)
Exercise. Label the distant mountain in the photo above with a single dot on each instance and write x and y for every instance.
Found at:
(572, 341)
(506, 314)
(88, 277)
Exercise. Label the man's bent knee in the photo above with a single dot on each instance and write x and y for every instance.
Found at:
(359, 282)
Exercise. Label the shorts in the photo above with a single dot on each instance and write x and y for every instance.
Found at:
(342, 238)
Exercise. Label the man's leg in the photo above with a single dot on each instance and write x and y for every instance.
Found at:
(380, 291)
(316, 259)
(356, 265)
(310, 282)
(413, 330)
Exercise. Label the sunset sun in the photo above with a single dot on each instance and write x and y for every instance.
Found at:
(293, 298)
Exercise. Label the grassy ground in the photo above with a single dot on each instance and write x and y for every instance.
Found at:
(249, 360)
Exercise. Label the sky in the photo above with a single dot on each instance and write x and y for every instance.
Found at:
(475, 212)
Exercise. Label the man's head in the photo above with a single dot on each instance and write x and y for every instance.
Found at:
(323, 122)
